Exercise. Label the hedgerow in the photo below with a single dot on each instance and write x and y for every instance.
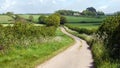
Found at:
(11, 35)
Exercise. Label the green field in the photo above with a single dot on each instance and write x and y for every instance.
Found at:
(34, 16)
(4, 19)
(73, 19)
(35, 54)
(85, 25)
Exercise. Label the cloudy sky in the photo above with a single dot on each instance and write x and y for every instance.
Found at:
(49, 6)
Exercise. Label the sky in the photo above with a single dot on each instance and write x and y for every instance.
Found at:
(49, 6)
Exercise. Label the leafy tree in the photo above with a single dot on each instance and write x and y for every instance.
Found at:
(66, 12)
(17, 18)
(100, 13)
(63, 20)
(117, 13)
(111, 30)
(41, 19)
(31, 18)
(90, 11)
(53, 20)
(9, 13)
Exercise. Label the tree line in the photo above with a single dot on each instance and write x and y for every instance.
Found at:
(90, 11)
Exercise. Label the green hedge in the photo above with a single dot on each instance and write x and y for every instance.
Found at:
(81, 30)
(11, 35)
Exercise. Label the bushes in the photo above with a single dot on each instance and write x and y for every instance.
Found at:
(53, 20)
(81, 30)
(31, 18)
(63, 20)
(12, 35)
(41, 20)
(106, 43)
(111, 26)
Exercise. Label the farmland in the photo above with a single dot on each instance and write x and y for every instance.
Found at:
(74, 19)
(4, 19)
(59, 34)
(37, 52)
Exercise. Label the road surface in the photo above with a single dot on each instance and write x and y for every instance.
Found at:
(76, 56)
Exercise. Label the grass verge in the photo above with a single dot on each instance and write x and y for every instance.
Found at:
(35, 53)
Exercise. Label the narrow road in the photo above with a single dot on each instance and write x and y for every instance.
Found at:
(76, 56)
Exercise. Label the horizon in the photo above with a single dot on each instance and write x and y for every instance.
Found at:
(50, 6)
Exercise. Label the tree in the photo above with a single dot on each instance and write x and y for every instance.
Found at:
(41, 19)
(90, 11)
(100, 13)
(19, 19)
(53, 20)
(66, 12)
(117, 13)
(63, 20)
(9, 13)
(31, 18)
(110, 29)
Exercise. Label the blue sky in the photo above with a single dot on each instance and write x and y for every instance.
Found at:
(49, 6)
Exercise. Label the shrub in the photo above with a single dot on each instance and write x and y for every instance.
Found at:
(63, 20)
(111, 26)
(53, 20)
(31, 18)
(17, 34)
(41, 19)
(81, 30)
(19, 19)
(106, 45)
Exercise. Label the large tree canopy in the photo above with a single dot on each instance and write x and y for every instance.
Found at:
(53, 20)
(91, 11)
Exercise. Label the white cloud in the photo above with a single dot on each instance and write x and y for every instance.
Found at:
(49, 6)
(8, 4)
(54, 2)
(104, 7)
(41, 1)
(115, 0)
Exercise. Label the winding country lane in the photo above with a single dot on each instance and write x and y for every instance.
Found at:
(76, 56)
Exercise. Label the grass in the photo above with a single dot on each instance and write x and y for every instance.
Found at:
(4, 19)
(35, 53)
(85, 37)
(73, 19)
(85, 25)
(101, 57)
(34, 16)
